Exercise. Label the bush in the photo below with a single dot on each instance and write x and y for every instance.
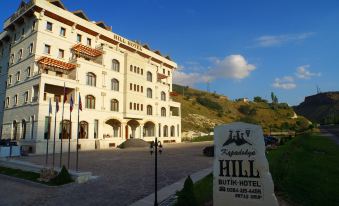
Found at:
(259, 99)
(247, 110)
(186, 196)
(62, 178)
(208, 103)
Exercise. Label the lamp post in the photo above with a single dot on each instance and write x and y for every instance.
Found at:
(154, 149)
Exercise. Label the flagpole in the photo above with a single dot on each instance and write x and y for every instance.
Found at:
(54, 131)
(77, 146)
(70, 132)
(62, 125)
(49, 129)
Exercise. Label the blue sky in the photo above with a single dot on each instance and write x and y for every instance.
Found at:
(243, 48)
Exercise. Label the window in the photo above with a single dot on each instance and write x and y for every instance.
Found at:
(131, 68)
(149, 93)
(49, 26)
(138, 70)
(149, 76)
(47, 49)
(20, 54)
(23, 129)
(91, 79)
(135, 69)
(30, 48)
(90, 102)
(79, 37)
(61, 54)
(26, 97)
(47, 127)
(32, 126)
(130, 86)
(169, 73)
(165, 131)
(33, 25)
(149, 110)
(15, 100)
(163, 96)
(172, 131)
(15, 129)
(130, 105)
(18, 76)
(28, 71)
(9, 79)
(142, 71)
(12, 59)
(62, 31)
(142, 107)
(65, 129)
(141, 89)
(7, 102)
(89, 42)
(135, 106)
(83, 133)
(163, 112)
(115, 65)
(114, 105)
(96, 128)
(135, 87)
(163, 71)
(115, 85)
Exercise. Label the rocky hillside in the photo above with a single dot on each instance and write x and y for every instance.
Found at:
(321, 108)
(201, 111)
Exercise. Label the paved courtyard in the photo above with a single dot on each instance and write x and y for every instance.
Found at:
(125, 176)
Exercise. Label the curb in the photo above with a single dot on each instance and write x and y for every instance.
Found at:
(170, 190)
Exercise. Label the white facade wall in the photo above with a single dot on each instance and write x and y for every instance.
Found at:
(42, 86)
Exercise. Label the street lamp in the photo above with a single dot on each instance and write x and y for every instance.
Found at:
(156, 147)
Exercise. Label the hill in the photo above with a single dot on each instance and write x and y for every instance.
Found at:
(201, 111)
(321, 108)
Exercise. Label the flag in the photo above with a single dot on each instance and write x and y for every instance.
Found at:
(80, 104)
(65, 96)
(50, 106)
(71, 104)
(56, 104)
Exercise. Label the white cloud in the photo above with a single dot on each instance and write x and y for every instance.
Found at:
(189, 79)
(232, 66)
(276, 40)
(286, 82)
(304, 73)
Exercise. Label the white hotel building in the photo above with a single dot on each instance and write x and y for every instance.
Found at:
(125, 87)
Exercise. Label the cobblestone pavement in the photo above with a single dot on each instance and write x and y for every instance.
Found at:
(125, 176)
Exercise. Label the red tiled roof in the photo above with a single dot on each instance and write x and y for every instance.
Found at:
(56, 63)
(161, 76)
(86, 50)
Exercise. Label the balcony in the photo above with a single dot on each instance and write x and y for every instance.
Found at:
(87, 53)
(56, 93)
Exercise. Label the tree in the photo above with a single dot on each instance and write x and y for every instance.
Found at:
(259, 99)
(274, 98)
(186, 196)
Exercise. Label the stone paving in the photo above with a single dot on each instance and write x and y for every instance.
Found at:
(125, 176)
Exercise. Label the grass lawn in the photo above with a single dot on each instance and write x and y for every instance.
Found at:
(306, 170)
(31, 176)
(203, 138)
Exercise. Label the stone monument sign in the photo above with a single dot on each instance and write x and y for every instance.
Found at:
(240, 172)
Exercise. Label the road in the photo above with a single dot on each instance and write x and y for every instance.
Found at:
(333, 131)
(125, 176)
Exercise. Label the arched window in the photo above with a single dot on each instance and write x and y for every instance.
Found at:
(149, 93)
(165, 131)
(15, 129)
(23, 129)
(131, 68)
(114, 105)
(83, 132)
(163, 112)
(115, 85)
(115, 65)
(172, 131)
(163, 96)
(91, 79)
(90, 102)
(149, 76)
(65, 129)
(149, 110)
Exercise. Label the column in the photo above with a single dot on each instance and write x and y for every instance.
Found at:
(141, 131)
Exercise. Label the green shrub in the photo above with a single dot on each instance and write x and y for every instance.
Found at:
(62, 178)
(186, 196)
(247, 110)
(209, 103)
